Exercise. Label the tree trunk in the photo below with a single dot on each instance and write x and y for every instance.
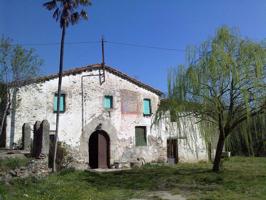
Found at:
(3, 137)
(59, 94)
(8, 103)
(4, 117)
(209, 148)
(219, 151)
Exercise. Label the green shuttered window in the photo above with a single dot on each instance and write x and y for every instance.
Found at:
(140, 136)
(146, 107)
(108, 102)
(62, 103)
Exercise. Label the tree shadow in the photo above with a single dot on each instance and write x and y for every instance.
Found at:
(163, 178)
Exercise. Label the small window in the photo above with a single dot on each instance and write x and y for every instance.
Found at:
(108, 102)
(146, 107)
(62, 103)
(140, 136)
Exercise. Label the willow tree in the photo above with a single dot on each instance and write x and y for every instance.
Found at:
(223, 86)
(252, 144)
(66, 12)
(17, 64)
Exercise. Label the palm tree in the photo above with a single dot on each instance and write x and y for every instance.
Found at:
(66, 12)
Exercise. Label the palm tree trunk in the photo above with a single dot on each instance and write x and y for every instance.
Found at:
(59, 94)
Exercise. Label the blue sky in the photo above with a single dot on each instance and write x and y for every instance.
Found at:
(163, 23)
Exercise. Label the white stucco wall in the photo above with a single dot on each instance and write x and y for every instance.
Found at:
(35, 102)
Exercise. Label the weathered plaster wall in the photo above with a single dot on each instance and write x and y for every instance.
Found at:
(35, 102)
(191, 143)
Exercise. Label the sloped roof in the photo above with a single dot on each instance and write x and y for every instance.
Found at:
(89, 68)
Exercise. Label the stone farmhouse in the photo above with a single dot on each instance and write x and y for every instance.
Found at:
(106, 118)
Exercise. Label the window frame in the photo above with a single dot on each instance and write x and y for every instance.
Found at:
(64, 103)
(112, 102)
(145, 136)
(150, 107)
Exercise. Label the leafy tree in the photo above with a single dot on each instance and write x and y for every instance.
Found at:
(252, 144)
(17, 64)
(223, 86)
(67, 12)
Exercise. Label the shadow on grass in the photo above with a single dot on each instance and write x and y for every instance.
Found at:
(163, 178)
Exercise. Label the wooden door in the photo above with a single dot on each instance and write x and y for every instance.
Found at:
(102, 150)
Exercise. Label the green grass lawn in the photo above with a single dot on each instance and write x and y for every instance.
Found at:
(241, 178)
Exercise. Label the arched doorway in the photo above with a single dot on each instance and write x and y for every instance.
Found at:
(99, 150)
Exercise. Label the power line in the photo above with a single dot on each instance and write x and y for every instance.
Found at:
(58, 43)
(110, 42)
(145, 46)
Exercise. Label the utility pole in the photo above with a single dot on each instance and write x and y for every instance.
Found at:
(102, 69)
(102, 40)
(101, 80)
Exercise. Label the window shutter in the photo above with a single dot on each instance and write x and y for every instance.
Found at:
(61, 105)
(55, 103)
(108, 102)
(147, 107)
(140, 136)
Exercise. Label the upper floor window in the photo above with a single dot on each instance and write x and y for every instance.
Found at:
(108, 102)
(146, 107)
(62, 103)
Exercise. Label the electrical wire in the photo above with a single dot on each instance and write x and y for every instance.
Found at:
(58, 43)
(145, 46)
(107, 42)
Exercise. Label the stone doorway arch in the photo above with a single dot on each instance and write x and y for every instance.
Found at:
(99, 150)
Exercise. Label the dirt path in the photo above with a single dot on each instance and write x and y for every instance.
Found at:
(162, 195)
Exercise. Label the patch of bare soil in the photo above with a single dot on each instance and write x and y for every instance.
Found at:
(162, 195)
